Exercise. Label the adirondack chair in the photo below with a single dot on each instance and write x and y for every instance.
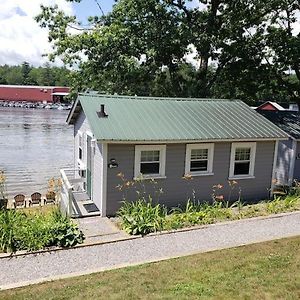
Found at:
(50, 198)
(35, 199)
(19, 201)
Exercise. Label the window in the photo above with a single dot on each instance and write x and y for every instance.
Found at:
(150, 161)
(199, 159)
(80, 146)
(242, 160)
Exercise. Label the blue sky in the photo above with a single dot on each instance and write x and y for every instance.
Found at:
(89, 8)
(22, 39)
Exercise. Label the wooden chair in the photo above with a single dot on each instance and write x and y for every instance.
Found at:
(35, 199)
(50, 198)
(19, 201)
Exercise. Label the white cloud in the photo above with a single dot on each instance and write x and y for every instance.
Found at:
(21, 38)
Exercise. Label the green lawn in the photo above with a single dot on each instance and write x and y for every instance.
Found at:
(262, 271)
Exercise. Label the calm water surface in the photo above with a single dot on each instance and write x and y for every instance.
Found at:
(34, 145)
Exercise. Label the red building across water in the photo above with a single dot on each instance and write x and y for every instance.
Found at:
(30, 93)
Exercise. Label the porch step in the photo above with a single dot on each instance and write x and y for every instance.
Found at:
(81, 196)
(79, 207)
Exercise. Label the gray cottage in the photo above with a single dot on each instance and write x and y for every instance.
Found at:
(288, 158)
(208, 141)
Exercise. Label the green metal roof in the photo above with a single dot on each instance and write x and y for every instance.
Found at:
(172, 119)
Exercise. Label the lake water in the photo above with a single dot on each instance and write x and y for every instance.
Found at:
(34, 145)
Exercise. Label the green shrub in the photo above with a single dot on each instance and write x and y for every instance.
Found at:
(181, 220)
(33, 231)
(291, 202)
(65, 233)
(280, 204)
(7, 239)
(141, 216)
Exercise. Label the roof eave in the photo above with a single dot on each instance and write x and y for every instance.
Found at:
(74, 112)
(111, 141)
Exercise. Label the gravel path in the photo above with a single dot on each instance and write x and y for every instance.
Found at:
(22, 270)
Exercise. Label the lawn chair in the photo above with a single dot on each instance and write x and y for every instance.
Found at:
(35, 199)
(19, 201)
(50, 198)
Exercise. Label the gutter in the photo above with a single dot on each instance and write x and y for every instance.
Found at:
(111, 141)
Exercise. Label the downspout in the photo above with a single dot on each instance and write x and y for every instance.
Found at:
(274, 169)
(292, 162)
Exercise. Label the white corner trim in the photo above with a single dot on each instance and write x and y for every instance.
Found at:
(104, 179)
(162, 160)
(274, 168)
(292, 162)
(234, 146)
(188, 151)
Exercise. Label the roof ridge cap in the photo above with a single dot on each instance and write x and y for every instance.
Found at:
(154, 98)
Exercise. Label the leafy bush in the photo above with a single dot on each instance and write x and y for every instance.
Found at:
(141, 216)
(281, 205)
(65, 233)
(33, 231)
(196, 214)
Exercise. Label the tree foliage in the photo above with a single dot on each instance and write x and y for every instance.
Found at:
(246, 49)
(26, 74)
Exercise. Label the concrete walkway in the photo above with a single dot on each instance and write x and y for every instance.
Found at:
(34, 268)
(97, 229)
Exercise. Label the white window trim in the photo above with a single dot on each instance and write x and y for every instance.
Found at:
(162, 161)
(189, 148)
(81, 161)
(252, 147)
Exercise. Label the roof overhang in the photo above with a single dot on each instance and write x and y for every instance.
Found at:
(191, 141)
(277, 106)
(74, 112)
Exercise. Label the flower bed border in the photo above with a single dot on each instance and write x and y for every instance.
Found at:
(158, 233)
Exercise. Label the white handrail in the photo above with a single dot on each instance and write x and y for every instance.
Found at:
(68, 187)
(65, 179)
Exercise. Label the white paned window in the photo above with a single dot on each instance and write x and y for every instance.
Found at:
(80, 145)
(150, 161)
(242, 160)
(199, 159)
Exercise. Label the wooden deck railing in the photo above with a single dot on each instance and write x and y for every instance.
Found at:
(71, 182)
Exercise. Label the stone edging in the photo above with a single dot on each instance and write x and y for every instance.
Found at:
(197, 227)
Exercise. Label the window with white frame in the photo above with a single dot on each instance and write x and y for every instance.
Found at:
(242, 160)
(150, 161)
(199, 159)
(80, 145)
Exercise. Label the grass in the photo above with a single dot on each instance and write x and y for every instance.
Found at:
(261, 271)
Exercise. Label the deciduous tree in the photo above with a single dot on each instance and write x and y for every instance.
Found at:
(244, 48)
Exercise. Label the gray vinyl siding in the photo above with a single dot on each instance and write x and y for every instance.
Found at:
(97, 176)
(83, 126)
(284, 157)
(177, 190)
(297, 163)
